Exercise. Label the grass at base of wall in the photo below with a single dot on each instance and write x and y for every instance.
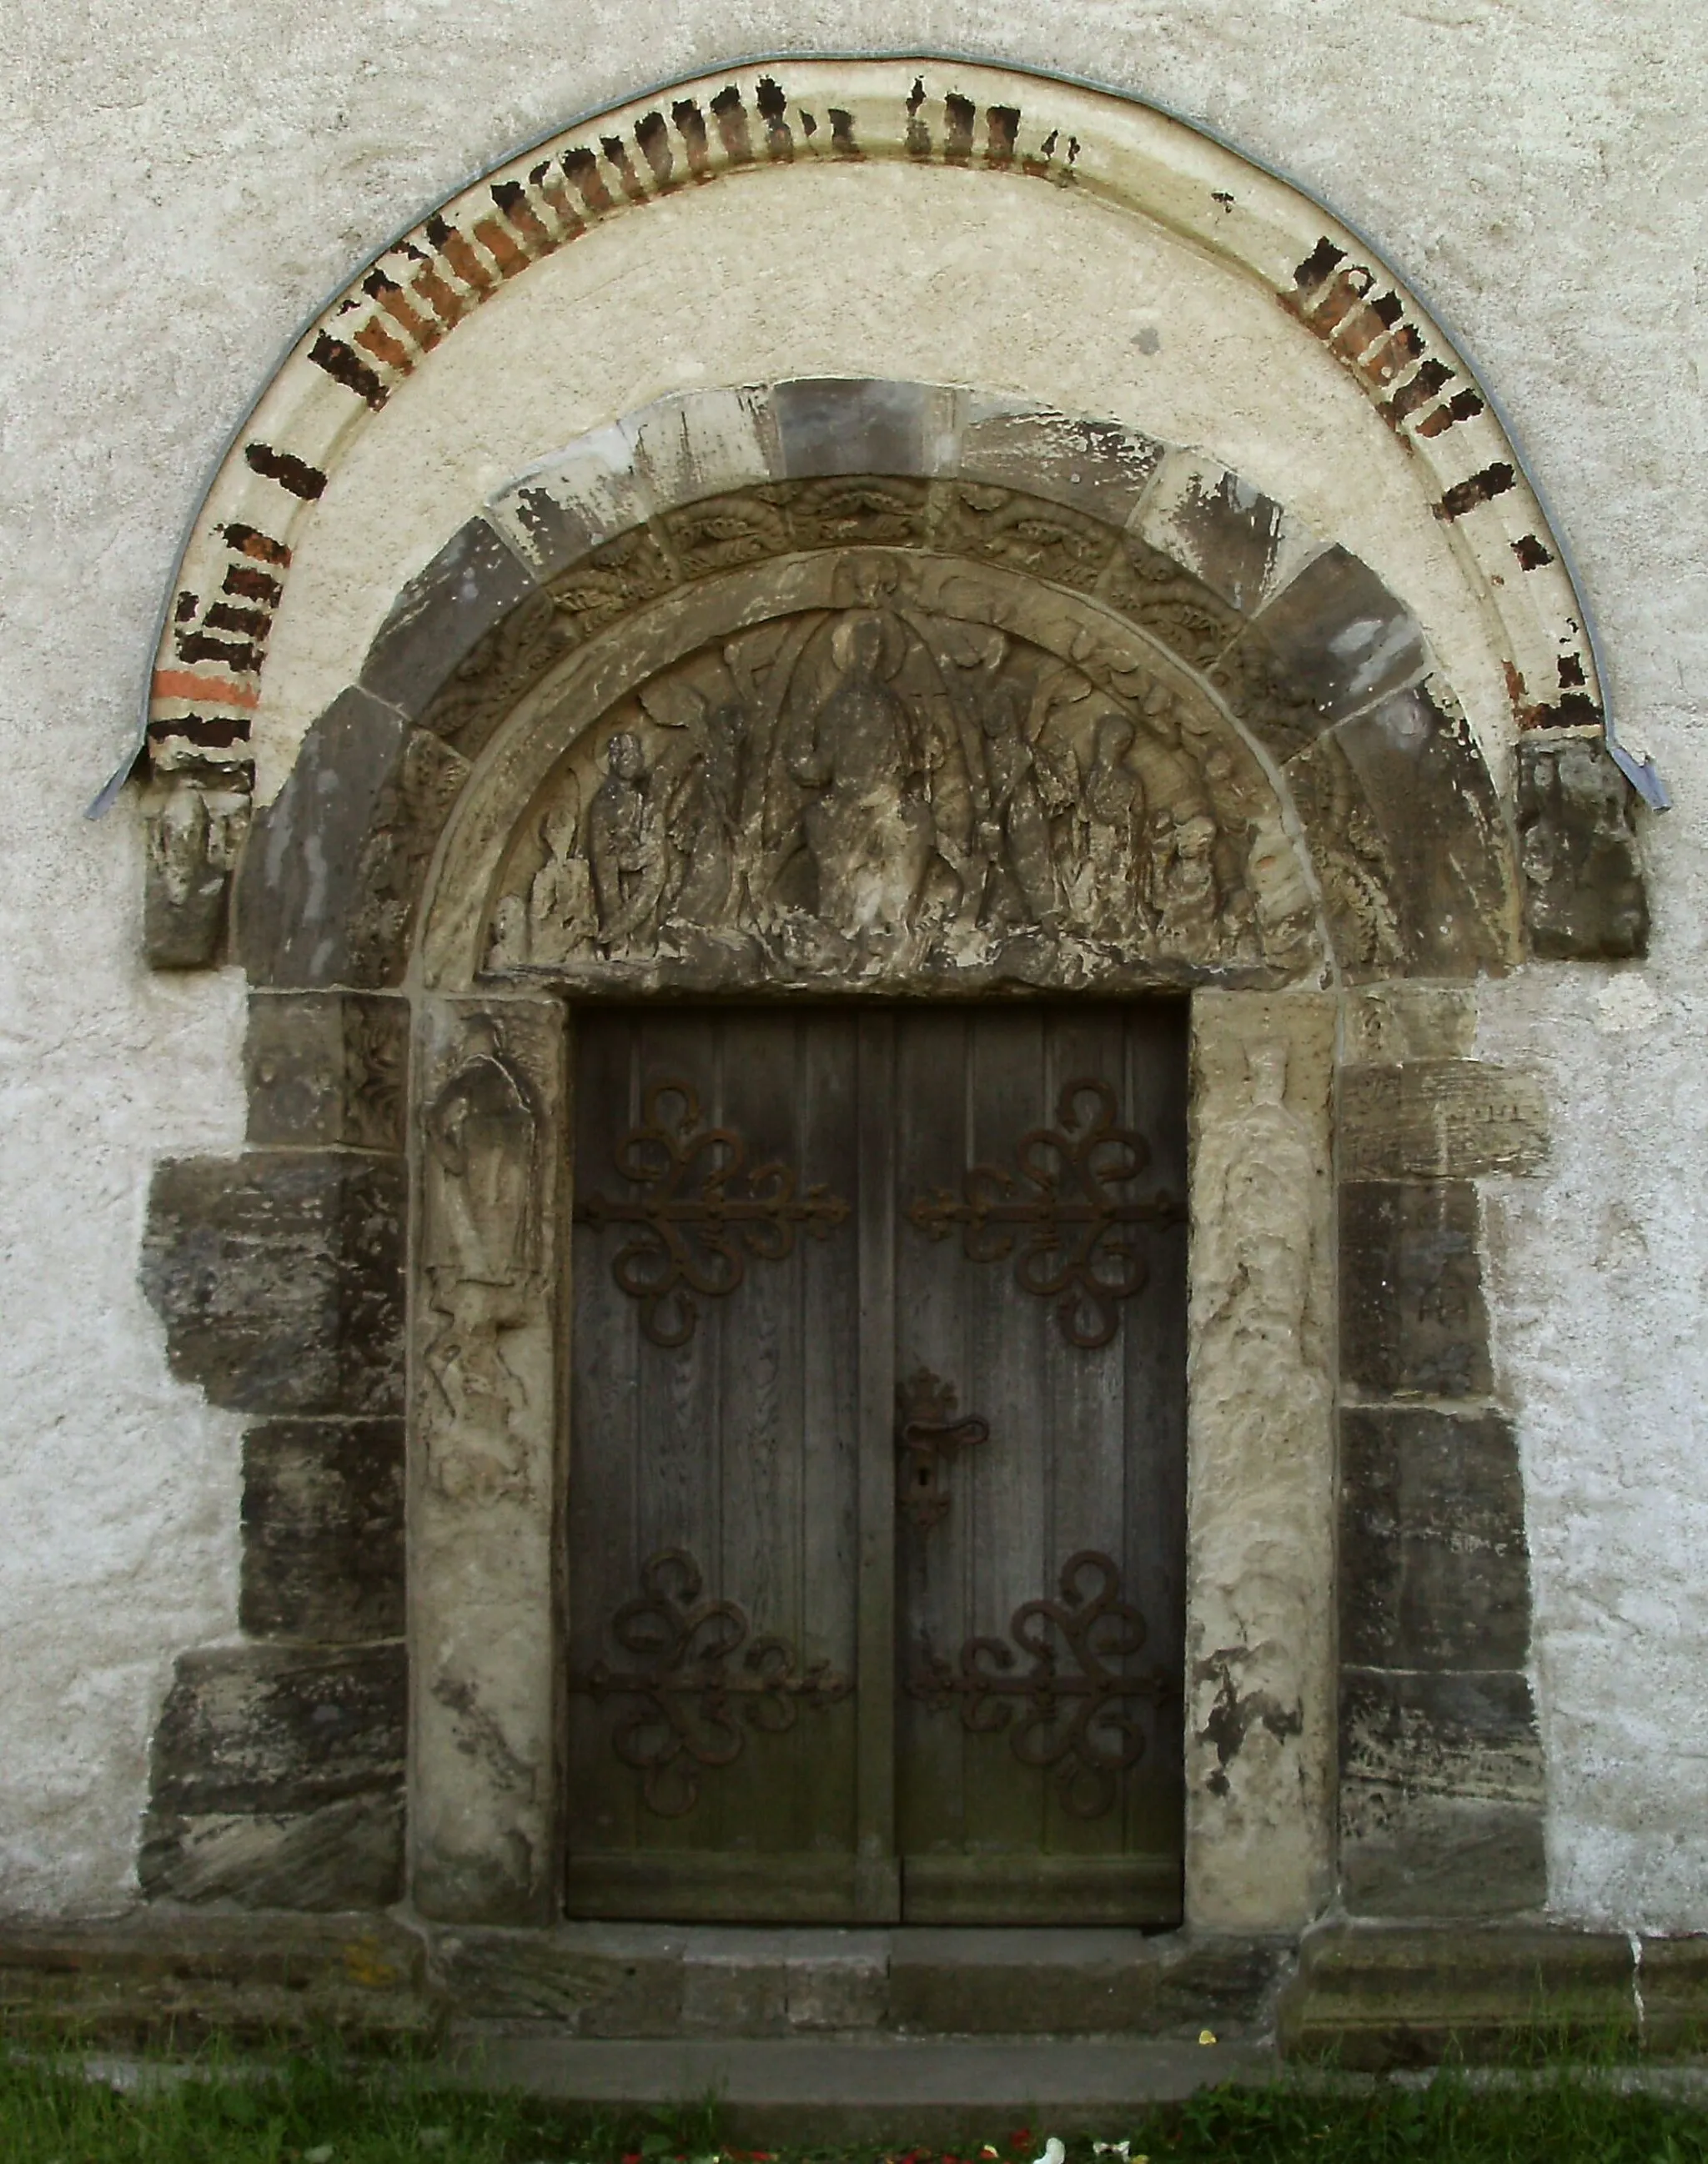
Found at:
(305, 2110)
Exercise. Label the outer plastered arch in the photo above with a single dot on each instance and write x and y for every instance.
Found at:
(1073, 247)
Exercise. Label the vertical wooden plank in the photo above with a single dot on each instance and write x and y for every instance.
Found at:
(1085, 1442)
(1007, 1351)
(878, 1884)
(825, 1546)
(708, 1447)
(934, 1564)
(602, 1527)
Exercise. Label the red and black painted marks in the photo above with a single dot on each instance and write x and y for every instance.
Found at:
(219, 642)
(403, 307)
(1337, 300)
(1572, 708)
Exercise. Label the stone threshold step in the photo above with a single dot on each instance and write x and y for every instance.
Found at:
(790, 2089)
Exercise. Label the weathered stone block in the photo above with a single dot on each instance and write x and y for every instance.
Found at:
(280, 1279)
(1412, 1318)
(322, 1531)
(1097, 466)
(573, 502)
(1440, 1119)
(1441, 1794)
(1674, 1981)
(1388, 1023)
(346, 1854)
(708, 442)
(1413, 808)
(1243, 544)
(1370, 1997)
(1338, 633)
(837, 1991)
(160, 1975)
(193, 839)
(729, 1995)
(326, 890)
(444, 613)
(273, 1730)
(326, 1069)
(1583, 893)
(594, 1979)
(1434, 1572)
(863, 425)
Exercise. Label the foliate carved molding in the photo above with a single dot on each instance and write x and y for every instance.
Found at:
(901, 790)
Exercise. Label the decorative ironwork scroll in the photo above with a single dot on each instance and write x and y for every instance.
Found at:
(930, 1429)
(695, 1238)
(1062, 1212)
(696, 1699)
(1065, 1712)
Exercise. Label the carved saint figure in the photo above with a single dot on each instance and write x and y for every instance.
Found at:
(481, 1132)
(561, 915)
(1185, 893)
(1105, 892)
(1268, 1167)
(626, 841)
(870, 830)
(1022, 888)
(705, 822)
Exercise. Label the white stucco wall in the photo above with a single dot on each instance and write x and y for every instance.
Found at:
(180, 191)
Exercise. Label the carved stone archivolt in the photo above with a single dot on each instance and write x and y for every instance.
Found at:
(903, 789)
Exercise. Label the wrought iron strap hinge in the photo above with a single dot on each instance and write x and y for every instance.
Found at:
(1060, 1210)
(1064, 1712)
(701, 1680)
(694, 1227)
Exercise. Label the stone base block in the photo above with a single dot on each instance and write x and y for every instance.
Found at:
(165, 1977)
(1372, 1997)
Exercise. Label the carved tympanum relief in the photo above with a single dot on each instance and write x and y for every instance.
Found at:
(899, 791)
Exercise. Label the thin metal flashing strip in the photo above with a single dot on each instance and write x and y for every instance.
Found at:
(1639, 771)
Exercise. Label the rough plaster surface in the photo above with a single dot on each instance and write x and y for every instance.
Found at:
(181, 193)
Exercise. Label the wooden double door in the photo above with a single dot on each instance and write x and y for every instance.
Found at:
(875, 1528)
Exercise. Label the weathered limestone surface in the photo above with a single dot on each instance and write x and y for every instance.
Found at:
(280, 1279)
(322, 1531)
(326, 1069)
(277, 1779)
(483, 1489)
(174, 1977)
(1259, 1677)
(1583, 893)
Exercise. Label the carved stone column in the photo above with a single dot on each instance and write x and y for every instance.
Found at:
(484, 1478)
(1260, 1689)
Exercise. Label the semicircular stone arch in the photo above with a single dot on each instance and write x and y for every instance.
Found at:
(1289, 755)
